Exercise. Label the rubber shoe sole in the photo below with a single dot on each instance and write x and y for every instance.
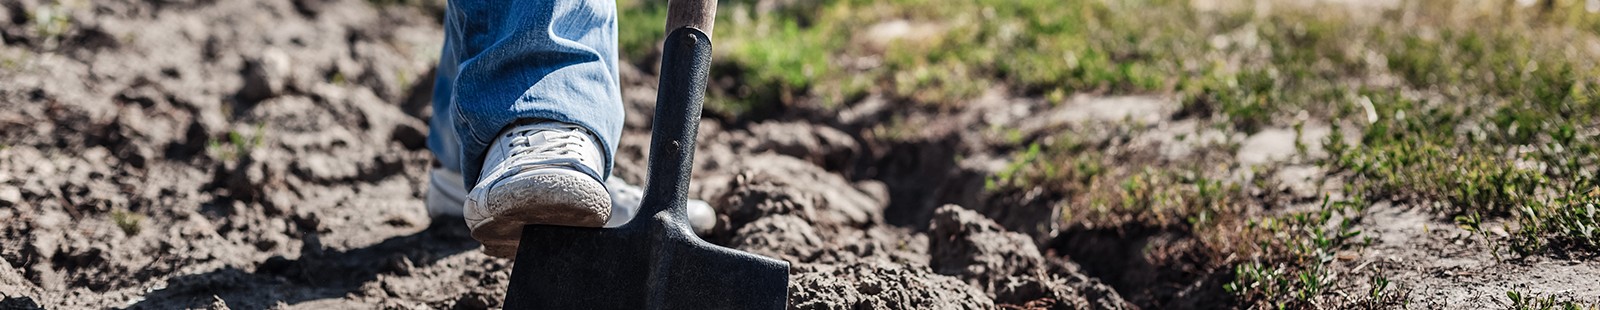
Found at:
(545, 196)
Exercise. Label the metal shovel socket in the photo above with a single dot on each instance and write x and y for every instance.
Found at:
(655, 261)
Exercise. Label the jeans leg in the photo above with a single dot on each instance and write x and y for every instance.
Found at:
(442, 137)
(515, 60)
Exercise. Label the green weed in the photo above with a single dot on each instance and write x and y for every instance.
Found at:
(1380, 285)
(1522, 301)
(1497, 134)
(50, 24)
(236, 144)
(128, 221)
(1296, 250)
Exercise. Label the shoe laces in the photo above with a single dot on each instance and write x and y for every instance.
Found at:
(557, 142)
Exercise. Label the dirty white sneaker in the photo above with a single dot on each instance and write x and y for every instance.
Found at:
(447, 194)
(540, 173)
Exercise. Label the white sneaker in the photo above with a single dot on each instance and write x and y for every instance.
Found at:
(541, 173)
(447, 194)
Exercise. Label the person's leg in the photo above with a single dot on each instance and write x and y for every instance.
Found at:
(527, 111)
(529, 60)
(505, 64)
(447, 190)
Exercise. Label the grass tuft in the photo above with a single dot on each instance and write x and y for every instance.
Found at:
(128, 221)
(236, 144)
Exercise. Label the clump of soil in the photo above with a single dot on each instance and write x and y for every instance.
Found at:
(1009, 267)
(845, 257)
(882, 285)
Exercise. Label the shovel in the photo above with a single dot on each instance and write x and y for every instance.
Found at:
(655, 261)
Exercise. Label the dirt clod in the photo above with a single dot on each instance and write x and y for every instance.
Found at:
(781, 236)
(1007, 265)
(882, 285)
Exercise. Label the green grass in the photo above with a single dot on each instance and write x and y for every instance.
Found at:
(129, 221)
(777, 57)
(1525, 301)
(1471, 100)
(236, 144)
(1497, 130)
(50, 23)
(1293, 270)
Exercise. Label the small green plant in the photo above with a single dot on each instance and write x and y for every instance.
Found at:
(1473, 223)
(1300, 147)
(236, 144)
(1303, 244)
(1009, 176)
(128, 221)
(1521, 301)
(9, 63)
(50, 24)
(1379, 285)
(337, 78)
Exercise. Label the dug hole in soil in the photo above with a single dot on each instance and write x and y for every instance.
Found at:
(261, 154)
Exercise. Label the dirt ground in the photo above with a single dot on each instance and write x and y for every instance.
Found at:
(268, 154)
(251, 154)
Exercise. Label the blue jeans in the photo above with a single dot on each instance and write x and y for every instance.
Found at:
(515, 60)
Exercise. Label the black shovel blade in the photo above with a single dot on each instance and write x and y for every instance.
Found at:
(643, 268)
(655, 261)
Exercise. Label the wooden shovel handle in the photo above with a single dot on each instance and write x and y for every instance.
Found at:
(698, 14)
